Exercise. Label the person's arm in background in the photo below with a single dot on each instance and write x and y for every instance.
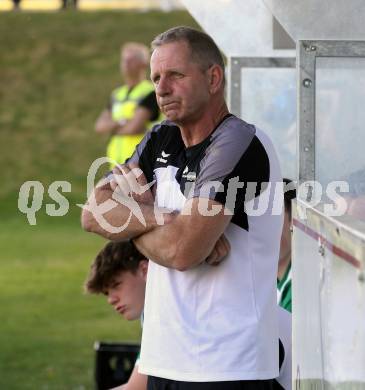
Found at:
(136, 125)
(105, 123)
(146, 111)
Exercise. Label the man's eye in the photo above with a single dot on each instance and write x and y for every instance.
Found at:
(115, 284)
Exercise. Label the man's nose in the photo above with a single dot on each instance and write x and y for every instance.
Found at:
(163, 87)
(112, 298)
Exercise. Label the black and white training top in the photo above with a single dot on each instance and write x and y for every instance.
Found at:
(215, 323)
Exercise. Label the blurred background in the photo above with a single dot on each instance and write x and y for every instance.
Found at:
(57, 69)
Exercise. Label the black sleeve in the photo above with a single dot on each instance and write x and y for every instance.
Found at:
(235, 168)
(150, 103)
(144, 154)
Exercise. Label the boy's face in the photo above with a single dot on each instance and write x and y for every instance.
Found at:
(126, 293)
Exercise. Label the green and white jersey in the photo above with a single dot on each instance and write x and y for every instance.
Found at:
(284, 290)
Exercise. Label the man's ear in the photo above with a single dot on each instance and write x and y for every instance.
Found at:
(143, 268)
(216, 77)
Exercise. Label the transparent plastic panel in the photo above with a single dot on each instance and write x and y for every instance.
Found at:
(268, 100)
(240, 28)
(339, 123)
(307, 346)
(328, 304)
(320, 19)
(343, 313)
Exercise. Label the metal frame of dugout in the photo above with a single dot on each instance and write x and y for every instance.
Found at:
(262, 90)
(236, 64)
(307, 54)
(328, 253)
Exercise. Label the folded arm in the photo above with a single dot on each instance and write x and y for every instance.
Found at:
(123, 208)
(112, 212)
(189, 239)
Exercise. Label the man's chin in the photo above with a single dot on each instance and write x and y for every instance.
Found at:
(130, 316)
(171, 116)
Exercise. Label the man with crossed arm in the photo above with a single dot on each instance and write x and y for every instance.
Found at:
(205, 327)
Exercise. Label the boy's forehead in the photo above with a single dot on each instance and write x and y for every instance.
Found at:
(114, 278)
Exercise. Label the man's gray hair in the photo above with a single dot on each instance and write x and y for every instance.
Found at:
(204, 50)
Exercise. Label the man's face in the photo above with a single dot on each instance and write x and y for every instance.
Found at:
(285, 243)
(182, 87)
(131, 63)
(126, 293)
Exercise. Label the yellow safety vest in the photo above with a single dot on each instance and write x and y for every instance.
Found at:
(124, 105)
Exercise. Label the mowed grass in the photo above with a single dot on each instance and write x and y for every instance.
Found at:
(56, 73)
(48, 325)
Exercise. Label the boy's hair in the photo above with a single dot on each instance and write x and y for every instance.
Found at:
(113, 259)
(289, 194)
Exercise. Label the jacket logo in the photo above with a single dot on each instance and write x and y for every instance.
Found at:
(163, 157)
(189, 176)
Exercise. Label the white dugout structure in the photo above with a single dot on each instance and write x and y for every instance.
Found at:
(297, 70)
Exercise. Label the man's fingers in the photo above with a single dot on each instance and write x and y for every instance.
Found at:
(212, 259)
(120, 183)
(141, 178)
(219, 252)
(134, 176)
(130, 180)
(124, 178)
(226, 244)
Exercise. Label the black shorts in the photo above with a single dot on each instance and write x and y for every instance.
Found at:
(155, 383)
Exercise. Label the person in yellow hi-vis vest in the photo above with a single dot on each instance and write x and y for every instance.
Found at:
(133, 108)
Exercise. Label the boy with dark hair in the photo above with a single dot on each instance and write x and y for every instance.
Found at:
(119, 271)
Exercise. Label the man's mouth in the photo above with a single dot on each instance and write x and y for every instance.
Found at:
(166, 105)
(121, 309)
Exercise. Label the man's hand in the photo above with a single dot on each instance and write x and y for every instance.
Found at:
(129, 180)
(219, 252)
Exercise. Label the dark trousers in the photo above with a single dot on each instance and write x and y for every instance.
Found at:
(154, 383)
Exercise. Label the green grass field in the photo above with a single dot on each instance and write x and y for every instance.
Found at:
(56, 73)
